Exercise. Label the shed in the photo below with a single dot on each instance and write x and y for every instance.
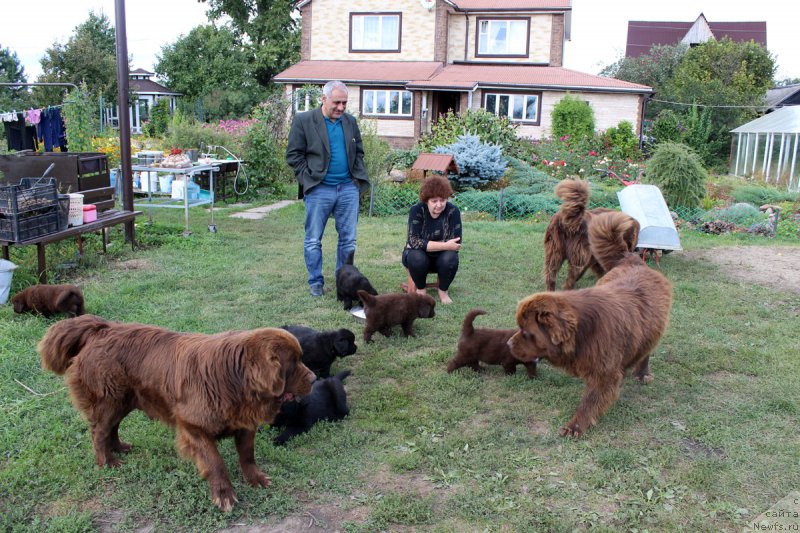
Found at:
(442, 163)
(767, 148)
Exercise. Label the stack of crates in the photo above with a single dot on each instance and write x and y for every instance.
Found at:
(29, 209)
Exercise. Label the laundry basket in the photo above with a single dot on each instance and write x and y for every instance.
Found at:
(6, 273)
(75, 209)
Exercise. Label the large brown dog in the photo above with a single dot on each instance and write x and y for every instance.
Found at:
(487, 345)
(567, 236)
(598, 333)
(388, 310)
(206, 386)
(49, 300)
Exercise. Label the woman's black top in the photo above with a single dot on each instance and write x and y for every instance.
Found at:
(423, 228)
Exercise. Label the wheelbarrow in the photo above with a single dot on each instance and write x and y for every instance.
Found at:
(657, 233)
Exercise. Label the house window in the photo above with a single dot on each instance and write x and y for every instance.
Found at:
(386, 102)
(307, 98)
(503, 37)
(517, 107)
(375, 32)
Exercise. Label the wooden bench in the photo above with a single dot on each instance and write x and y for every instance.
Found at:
(105, 220)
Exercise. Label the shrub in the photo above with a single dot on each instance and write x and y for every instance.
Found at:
(376, 150)
(741, 214)
(667, 127)
(186, 132)
(572, 116)
(79, 120)
(159, 119)
(265, 146)
(760, 195)
(678, 171)
(490, 128)
(523, 176)
(621, 142)
(403, 158)
(478, 162)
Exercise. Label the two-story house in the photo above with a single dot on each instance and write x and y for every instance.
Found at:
(407, 61)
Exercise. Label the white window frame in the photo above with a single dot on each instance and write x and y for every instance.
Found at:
(376, 97)
(485, 26)
(357, 36)
(511, 100)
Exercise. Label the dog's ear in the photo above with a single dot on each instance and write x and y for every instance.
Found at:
(561, 325)
(365, 297)
(262, 361)
(64, 297)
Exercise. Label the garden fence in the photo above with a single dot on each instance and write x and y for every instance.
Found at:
(533, 203)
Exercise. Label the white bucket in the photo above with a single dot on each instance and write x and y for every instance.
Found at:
(6, 273)
(149, 181)
(75, 217)
(165, 183)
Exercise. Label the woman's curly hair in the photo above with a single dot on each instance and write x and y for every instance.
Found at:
(435, 187)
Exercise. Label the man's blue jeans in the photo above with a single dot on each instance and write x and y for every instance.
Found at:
(323, 201)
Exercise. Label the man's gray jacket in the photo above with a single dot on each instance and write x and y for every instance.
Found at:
(309, 152)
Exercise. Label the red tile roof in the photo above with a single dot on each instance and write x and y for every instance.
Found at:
(644, 34)
(437, 162)
(463, 77)
(511, 5)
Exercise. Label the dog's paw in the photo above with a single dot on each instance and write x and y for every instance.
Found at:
(647, 378)
(224, 498)
(572, 429)
(122, 447)
(113, 462)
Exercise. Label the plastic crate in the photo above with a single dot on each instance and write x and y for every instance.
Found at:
(63, 211)
(32, 196)
(18, 229)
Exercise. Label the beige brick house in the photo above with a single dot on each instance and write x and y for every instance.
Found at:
(407, 61)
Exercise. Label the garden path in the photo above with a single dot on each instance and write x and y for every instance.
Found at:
(256, 213)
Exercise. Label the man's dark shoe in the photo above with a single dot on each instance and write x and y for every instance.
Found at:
(316, 290)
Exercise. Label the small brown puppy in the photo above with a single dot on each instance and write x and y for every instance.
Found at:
(487, 345)
(599, 333)
(387, 310)
(49, 300)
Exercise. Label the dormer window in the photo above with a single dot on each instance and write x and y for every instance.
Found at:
(502, 37)
(375, 32)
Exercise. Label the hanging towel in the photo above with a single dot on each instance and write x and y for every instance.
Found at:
(51, 129)
(33, 116)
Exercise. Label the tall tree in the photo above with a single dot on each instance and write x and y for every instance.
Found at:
(211, 64)
(12, 71)
(266, 28)
(88, 56)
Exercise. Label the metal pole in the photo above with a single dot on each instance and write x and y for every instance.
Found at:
(124, 120)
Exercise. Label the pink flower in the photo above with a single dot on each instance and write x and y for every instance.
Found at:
(592, 153)
(563, 163)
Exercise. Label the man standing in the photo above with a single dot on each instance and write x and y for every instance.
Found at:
(327, 156)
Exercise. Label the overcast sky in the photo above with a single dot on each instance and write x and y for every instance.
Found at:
(599, 27)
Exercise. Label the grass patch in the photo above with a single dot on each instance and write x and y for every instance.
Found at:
(704, 447)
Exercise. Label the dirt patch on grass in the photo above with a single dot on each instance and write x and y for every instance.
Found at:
(314, 519)
(133, 264)
(774, 267)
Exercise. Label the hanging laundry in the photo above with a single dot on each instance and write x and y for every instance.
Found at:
(51, 129)
(18, 135)
(33, 116)
(8, 116)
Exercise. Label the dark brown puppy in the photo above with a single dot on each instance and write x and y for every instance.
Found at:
(206, 386)
(598, 333)
(388, 310)
(567, 237)
(487, 345)
(49, 300)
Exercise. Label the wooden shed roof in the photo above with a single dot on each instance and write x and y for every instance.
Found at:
(437, 162)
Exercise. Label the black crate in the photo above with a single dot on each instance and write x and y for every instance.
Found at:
(63, 211)
(31, 197)
(16, 229)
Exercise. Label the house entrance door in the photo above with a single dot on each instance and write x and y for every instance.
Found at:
(444, 102)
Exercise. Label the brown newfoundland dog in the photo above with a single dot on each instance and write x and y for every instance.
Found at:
(388, 310)
(206, 386)
(567, 236)
(598, 333)
(487, 345)
(49, 300)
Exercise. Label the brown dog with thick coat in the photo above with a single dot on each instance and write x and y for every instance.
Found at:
(567, 235)
(487, 345)
(385, 311)
(599, 333)
(206, 386)
(49, 300)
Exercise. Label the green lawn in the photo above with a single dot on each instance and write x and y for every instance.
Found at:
(711, 443)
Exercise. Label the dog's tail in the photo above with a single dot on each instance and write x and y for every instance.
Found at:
(65, 339)
(350, 257)
(366, 298)
(336, 387)
(612, 236)
(574, 194)
(466, 328)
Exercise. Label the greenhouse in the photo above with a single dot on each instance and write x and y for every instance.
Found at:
(767, 148)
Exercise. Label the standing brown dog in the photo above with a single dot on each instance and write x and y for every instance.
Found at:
(206, 386)
(598, 333)
(487, 345)
(388, 310)
(567, 235)
(49, 300)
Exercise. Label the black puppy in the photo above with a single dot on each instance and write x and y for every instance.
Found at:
(349, 280)
(321, 348)
(326, 401)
